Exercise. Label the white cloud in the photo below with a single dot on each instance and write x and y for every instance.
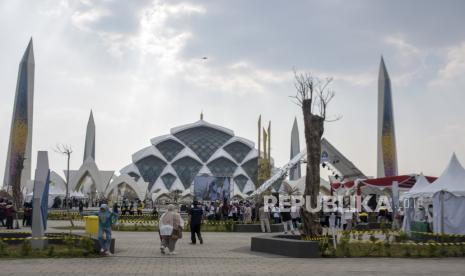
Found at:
(407, 52)
(84, 19)
(451, 74)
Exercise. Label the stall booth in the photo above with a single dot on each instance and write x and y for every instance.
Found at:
(447, 195)
(393, 186)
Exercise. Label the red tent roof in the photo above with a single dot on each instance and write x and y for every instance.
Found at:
(405, 181)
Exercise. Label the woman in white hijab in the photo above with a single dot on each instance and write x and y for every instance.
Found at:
(170, 226)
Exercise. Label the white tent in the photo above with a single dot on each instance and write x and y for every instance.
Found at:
(418, 188)
(415, 192)
(77, 195)
(448, 193)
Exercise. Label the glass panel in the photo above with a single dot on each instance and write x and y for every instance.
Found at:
(204, 141)
(150, 169)
(222, 167)
(237, 150)
(169, 149)
(186, 168)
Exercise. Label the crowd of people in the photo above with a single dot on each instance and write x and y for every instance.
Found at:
(171, 222)
(7, 213)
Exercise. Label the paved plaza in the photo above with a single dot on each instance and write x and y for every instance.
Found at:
(222, 254)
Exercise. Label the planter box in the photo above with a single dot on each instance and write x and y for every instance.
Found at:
(286, 245)
(255, 228)
(18, 238)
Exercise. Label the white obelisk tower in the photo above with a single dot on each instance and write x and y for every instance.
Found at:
(387, 153)
(20, 145)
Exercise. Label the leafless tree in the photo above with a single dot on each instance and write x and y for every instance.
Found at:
(67, 151)
(313, 96)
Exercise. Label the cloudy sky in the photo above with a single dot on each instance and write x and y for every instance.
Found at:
(138, 65)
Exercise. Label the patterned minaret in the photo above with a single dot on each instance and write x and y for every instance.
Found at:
(20, 146)
(89, 149)
(387, 154)
(295, 172)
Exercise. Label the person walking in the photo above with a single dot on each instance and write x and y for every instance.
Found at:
(106, 219)
(195, 222)
(264, 216)
(170, 227)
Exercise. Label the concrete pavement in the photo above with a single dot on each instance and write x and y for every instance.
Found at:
(222, 254)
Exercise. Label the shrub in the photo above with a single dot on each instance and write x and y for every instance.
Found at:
(51, 251)
(87, 245)
(407, 252)
(3, 251)
(373, 238)
(343, 248)
(26, 248)
(401, 237)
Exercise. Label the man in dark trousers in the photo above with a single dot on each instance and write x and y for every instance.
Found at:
(195, 221)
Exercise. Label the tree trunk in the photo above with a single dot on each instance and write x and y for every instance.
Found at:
(16, 187)
(314, 127)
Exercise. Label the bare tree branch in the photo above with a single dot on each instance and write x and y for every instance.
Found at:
(66, 150)
(314, 91)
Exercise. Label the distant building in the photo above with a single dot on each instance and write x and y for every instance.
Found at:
(89, 179)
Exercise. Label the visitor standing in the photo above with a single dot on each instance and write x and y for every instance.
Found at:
(2, 211)
(247, 214)
(140, 207)
(9, 214)
(348, 219)
(106, 219)
(276, 215)
(195, 222)
(131, 208)
(287, 221)
(81, 207)
(170, 227)
(264, 216)
(115, 208)
(27, 214)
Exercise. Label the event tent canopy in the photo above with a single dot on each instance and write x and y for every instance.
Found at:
(404, 181)
(452, 180)
(77, 195)
(421, 184)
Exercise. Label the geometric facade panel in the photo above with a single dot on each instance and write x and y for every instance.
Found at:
(241, 181)
(168, 180)
(222, 167)
(134, 175)
(204, 141)
(251, 168)
(169, 149)
(150, 169)
(238, 150)
(187, 168)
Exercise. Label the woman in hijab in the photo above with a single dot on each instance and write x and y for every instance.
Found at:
(105, 220)
(170, 227)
